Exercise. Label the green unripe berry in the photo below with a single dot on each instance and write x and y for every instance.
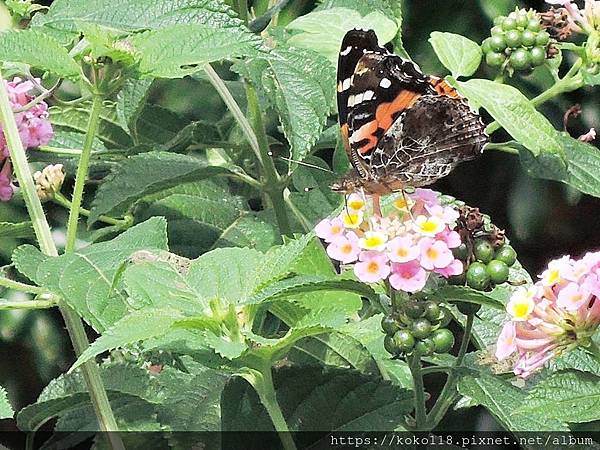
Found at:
(495, 59)
(414, 310)
(421, 328)
(506, 254)
(404, 340)
(497, 43)
(592, 70)
(498, 20)
(389, 325)
(468, 308)
(461, 252)
(520, 59)
(432, 311)
(483, 250)
(497, 31)
(445, 317)
(497, 271)
(538, 56)
(477, 277)
(528, 38)
(390, 346)
(443, 340)
(542, 38)
(485, 45)
(522, 19)
(534, 25)
(509, 24)
(513, 38)
(425, 347)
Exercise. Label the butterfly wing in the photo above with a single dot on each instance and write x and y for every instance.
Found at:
(428, 141)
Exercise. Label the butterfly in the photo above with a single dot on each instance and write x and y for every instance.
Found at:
(400, 127)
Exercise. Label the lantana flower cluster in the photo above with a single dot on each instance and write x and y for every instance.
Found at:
(404, 247)
(34, 129)
(560, 312)
(581, 21)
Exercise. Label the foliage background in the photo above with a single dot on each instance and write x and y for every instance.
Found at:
(543, 218)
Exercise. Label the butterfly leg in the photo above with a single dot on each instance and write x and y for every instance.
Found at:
(376, 205)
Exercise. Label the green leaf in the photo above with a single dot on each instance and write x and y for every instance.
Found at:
(144, 174)
(178, 401)
(364, 7)
(578, 359)
(309, 284)
(135, 327)
(73, 140)
(183, 49)
(136, 15)
(22, 230)
(502, 399)
(454, 294)
(39, 50)
(461, 56)
(566, 396)
(323, 30)
(84, 279)
(582, 165)
(76, 117)
(313, 399)
(515, 113)
(304, 84)
(130, 102)
(204, 215)
(235, 274)
(6, 411)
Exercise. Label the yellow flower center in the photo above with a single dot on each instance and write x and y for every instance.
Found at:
(402, 252)
(373, 241)
(356, 204)
(400, 203)
(346, 248)
(352, 220)
(553, 277)
(428, 226)
(373, 267)
(521, 310)
(336, 229)
(432, 253)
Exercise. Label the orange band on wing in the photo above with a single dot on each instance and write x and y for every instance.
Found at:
(367, 131)
(387, 112)
(443, 88)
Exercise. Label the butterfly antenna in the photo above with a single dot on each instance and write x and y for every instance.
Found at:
(407, 205)
(312, 166)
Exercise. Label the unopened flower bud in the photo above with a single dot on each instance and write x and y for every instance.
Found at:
(49, 181)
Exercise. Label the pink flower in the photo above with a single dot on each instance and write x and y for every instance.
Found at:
(344, 248)
(456, 267)
(434, 254)
(402, 249)
(373, 267)
(450, 237)
(445, 213)
(34, 128)
(330, 229)
(427, 196)
(560, 312)
(506, 345)
(408, 277)
(572, 296)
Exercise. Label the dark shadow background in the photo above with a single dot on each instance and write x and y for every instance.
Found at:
(543, 219)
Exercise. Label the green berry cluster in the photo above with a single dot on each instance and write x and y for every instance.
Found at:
(517, 42)
(418, 327)
(488, 265)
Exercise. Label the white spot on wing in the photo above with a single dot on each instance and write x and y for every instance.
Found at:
(346, 84)
(385, 83)
(346, 50)
(368, 95)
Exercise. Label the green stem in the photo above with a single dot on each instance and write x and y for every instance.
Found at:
(42, 230)
(262, 381)
(63, 201)
(82, 171)
(273, 186)
(15, 285)
(448, 393)
(568, 83)
(419, 391)
(501, 147)
(233, 107)
(28, 304)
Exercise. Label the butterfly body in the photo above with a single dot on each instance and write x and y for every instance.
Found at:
(400, 127)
